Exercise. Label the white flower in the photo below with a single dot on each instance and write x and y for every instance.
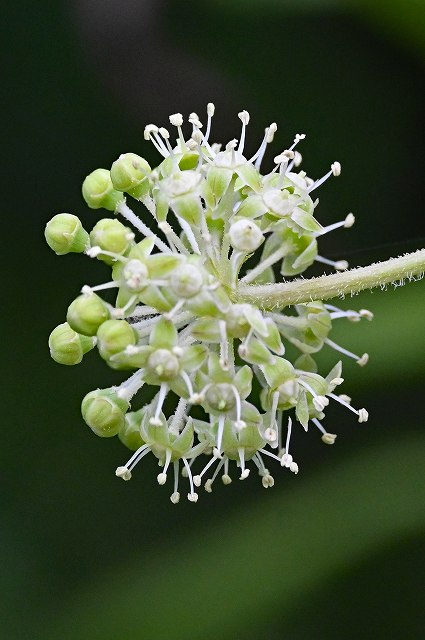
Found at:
(178, 320)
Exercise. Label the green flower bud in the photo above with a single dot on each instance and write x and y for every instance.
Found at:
(114, 336)
(98, 191)
(104, 412)
(67, 346)
(86, 313)
(111, 235)
(64, 233)
(129, 174)
(130, 433)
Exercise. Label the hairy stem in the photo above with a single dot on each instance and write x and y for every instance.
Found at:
(275, 296)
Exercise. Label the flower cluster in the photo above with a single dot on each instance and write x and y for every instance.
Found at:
(179, 323)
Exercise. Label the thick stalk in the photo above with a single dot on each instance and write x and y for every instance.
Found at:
(345, 283)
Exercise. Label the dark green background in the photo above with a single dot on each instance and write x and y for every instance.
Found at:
(336, 552)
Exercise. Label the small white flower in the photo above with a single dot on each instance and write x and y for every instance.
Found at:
(179, 322)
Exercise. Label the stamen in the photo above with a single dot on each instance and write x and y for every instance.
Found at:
(150, 131)
(327, 438)
(175, 496)
(197, 480)
(177, 120)
(162, 477)
(209, 483)
(339, 265)
(131, 386)
(240, 424)
(135, 458)
(361, 360)
(192, 496)
(244, 472)
(93, 252)
(224, 346)
(335, 171)
(244, 117)
(271, 455)
(172, 236)
(123, 472)
(142, 311)
(274, 443)
(266, 479)
(268, 138)
(178, 417)
(347, 223)
(156, 135)
(362, 414)
(221, 420)
(320, 402)
(129, 215)
(189, 234)
(225, 478)
(287, 460)
(194, 120)
(210, 113)
(189, 386)
(243, 347)
(170, 314)
(163, 390)
(263, 265)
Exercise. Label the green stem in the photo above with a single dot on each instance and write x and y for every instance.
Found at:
(275, 296)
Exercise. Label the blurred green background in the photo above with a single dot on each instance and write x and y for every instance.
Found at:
(335, 552)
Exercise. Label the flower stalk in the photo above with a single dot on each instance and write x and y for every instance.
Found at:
(410, 266)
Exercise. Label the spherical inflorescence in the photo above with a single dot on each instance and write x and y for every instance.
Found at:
(178, 323)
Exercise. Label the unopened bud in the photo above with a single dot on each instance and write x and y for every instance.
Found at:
(98, 191)
(64, 233)
(114, 336)
(104, 412)
(86, 313)
(67, 346)
(130, 174)
(111, 235)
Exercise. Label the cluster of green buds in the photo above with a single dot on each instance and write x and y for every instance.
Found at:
(179, 322)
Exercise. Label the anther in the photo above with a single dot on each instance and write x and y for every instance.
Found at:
(123, 472)
(349, 221)
(336, 169)
(176, 119)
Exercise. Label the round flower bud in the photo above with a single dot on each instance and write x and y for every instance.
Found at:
(220, 397)
(130, 433)
(67, 346)
(64, 233)
(129, 174)
(86, 313)
(186, 281)
(111, 235)
(245, 235)
(104, 412)
(135, 275)
(98, 191)
(114, 336)
(164, 364)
